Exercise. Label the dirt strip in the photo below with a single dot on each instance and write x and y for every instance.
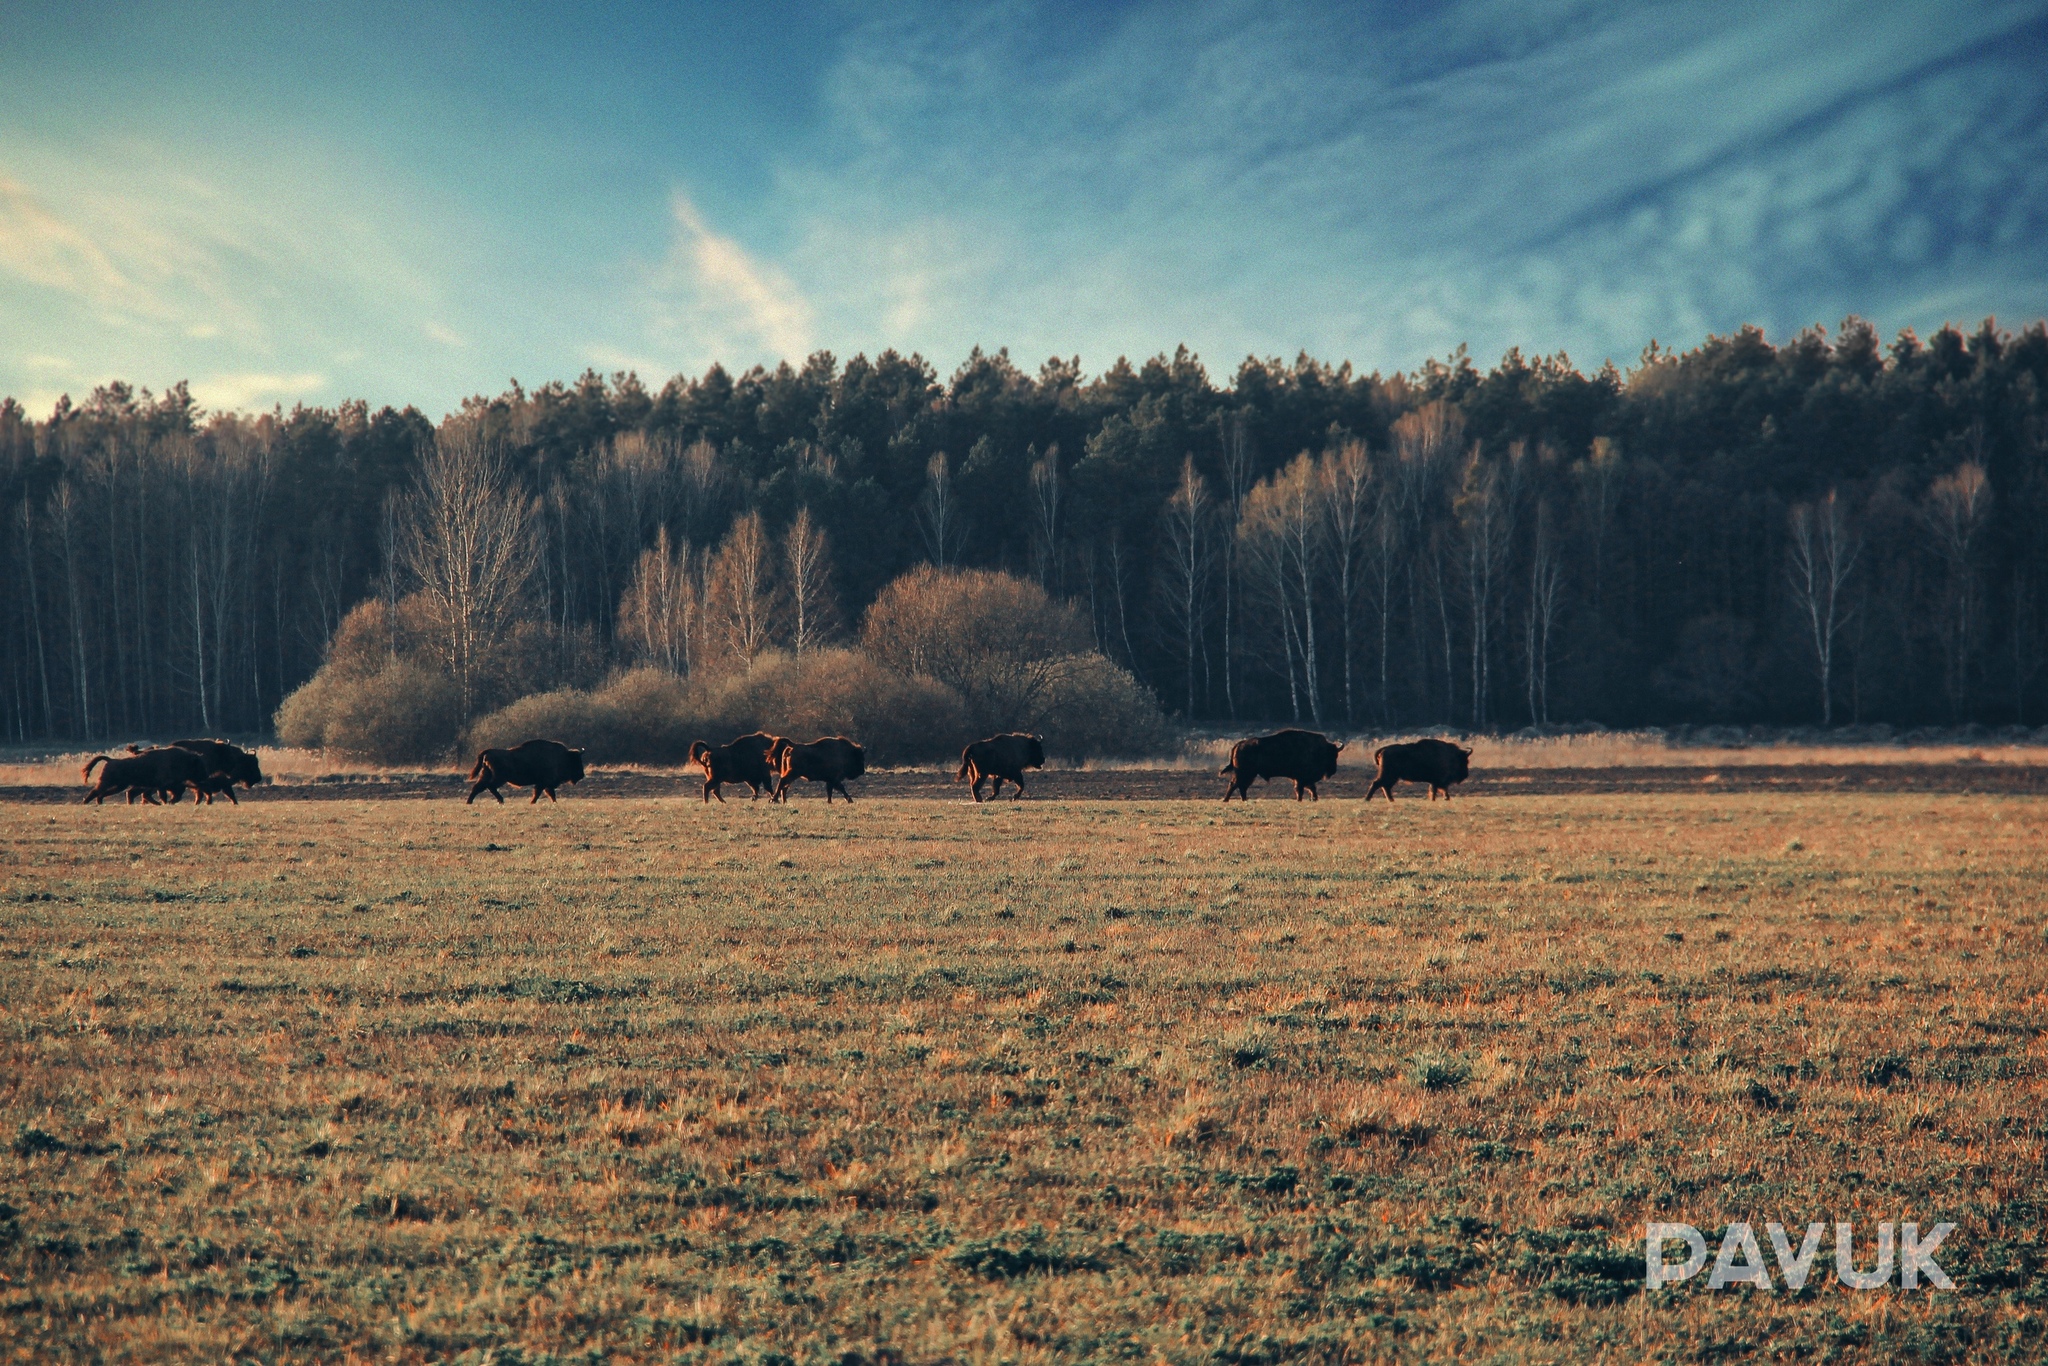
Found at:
(1193, 785)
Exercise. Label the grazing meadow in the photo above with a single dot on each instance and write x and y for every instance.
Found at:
(916, 1081)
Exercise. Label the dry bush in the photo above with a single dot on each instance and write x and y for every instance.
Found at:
(400, 713)
(900, 719)
(1097, 708)
(645, 715)
(996, 640)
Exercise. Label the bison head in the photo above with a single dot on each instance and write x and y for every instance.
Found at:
(1038, 751)
(1463, 763)
(575, 765)
(244, 769)
(860, 762)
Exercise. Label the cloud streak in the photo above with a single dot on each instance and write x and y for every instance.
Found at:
(716, 300)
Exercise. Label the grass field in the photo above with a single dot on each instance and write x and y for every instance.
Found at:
(911, 1081)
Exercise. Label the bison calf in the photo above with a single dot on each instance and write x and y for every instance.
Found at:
(1003, 758)
(542, 765)
(1436, 762)
(1304, 756)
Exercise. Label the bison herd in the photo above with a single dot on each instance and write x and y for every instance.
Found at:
(770, 763)
(210, 768)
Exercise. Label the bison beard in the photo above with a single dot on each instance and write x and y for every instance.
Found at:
(1436, 762)
(830, 761)
(1003, 758)
(1304, 756)
(542, 765)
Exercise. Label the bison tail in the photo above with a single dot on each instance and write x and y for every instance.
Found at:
(966, 764)
(1228, 770)
(91, 764)
(477, 769)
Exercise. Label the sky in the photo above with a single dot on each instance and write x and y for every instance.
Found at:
(302, 203)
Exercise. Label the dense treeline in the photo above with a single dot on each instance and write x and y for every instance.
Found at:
(1828, 529)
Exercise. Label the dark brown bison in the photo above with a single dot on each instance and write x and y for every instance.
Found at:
(1302, 755)
(152, 772)
(226, 765)
(745, 760)
(830, 761)
(542, 765)
(1436, 762)
(1001, 757)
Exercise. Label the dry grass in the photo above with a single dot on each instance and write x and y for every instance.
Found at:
(919, 1082)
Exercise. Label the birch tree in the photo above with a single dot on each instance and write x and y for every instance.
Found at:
(470, 542)
(807, 569)
(1823, 555)
(1184, 570)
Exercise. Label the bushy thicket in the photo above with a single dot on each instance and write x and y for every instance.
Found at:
(946, 658)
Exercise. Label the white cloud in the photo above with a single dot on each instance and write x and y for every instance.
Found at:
(244, 392)
(713, 298)
(445, 335)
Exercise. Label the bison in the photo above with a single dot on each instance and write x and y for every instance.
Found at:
(1001, 757)
(745, 760)
(1436, 762)
(542, 765)
(167, 771)
(1302, 755)
(830, 761)
(226, 765)
(223, 760)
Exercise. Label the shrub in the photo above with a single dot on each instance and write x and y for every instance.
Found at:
(402, 713)
(900, 719)
(996, 640)
(644, 716)
(1097, 708)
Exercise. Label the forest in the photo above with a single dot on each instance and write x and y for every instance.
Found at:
(1832, 530)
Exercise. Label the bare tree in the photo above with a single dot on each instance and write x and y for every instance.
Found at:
(1383, 567)
(1485, 518)
(469, 541)
(1957, 507)
(65, 504)
(807, 564)
(1046, 491)
(1425, 443)
(1823, 554)
(658, 614)
(1283, 535)
(1599, 493)
(1346, 476)
(1184, 569)
(939, 512)
(1237, 484)
(742, 588)
(1546, 577)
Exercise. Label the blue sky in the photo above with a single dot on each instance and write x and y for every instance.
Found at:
(412, 203)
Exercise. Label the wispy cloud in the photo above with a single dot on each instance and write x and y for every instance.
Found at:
(1367, 183)
(241, 392)
(714, 298)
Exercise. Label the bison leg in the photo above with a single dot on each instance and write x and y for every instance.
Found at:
(844, 793)
(1020, 789)
(232, 798)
